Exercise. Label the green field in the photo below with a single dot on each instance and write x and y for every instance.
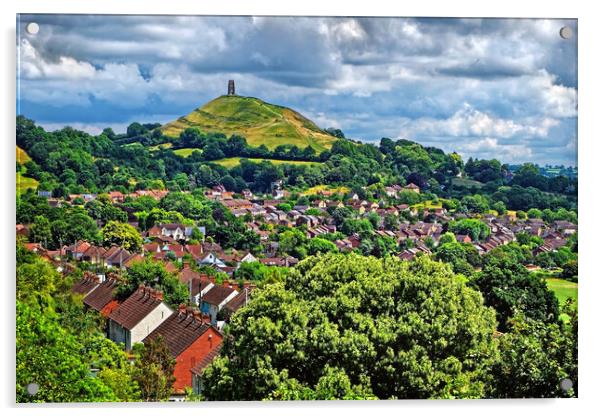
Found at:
(22, 156)
(24, 183)
(230, 162)
(259, 122)
(467, 183)
(319, 188)
(186, 151)
(563, 289)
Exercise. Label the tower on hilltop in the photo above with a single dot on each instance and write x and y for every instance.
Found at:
(231, 89)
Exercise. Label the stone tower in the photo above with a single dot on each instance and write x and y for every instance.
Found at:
(231, 90)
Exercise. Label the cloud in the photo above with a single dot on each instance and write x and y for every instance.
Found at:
(482, 84)
(470, 122)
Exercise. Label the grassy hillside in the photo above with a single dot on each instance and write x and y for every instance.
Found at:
(259, 122)
(22, 156)
(230, 162)
(24, 183)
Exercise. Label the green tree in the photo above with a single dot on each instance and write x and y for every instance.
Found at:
(346, 325)
(534, 358)
(319, 245)
(154, 371)
(507, 286)
(121, 234)
(40, 231)
(152, 273)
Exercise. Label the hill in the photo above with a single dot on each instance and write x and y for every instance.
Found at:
(259, 122)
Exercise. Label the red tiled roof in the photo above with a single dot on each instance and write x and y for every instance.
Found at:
(136, 307)
(85, 285)
(179, 331)
(217, 294)
(109, 307)
(207, 359)
(187, 274)
(102, 295)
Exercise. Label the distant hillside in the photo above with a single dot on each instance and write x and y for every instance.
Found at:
(259, 122)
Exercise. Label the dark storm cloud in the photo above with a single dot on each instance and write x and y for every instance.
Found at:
(372, 77)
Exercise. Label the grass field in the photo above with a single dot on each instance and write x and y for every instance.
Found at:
(563, 289)
(468, 183)
(259, 122)
(160, 146)
(22, 156)
(24, 183)
(230, 162)
(319, 188)
(186, 151)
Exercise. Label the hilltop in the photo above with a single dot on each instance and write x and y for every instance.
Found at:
(259, 122)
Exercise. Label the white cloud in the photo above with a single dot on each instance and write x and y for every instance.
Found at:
(470, 122)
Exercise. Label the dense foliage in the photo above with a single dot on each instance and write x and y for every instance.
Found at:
(349, 326)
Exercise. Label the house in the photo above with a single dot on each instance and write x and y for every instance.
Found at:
(116, 197)
(412, 187)
(187, 274)
(45, 194)
(463, 238)
(175, 231)
(210, 259)
(138, 316)
(22, 230)
(277, 191)
(86, 285)
(77, 249)
(116, 257)
(189, 340)
(198, 287)
(215, 299)
(197, 370)
(101, 298)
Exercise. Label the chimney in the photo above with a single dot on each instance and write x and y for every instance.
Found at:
(226, 283)
(197, 314)
(212, 279)
(182, 308)
(246, 284)
(158, 295)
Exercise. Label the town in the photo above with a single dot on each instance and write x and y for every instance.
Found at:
(218, 280)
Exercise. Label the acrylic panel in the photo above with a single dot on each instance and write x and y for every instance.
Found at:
(227, 208)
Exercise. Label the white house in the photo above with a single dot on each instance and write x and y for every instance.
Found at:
(215, 299)
(138, 316)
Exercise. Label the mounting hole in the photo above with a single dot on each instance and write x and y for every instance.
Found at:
(566, 32)
(32, 28)
(566, 384)
(33, 388)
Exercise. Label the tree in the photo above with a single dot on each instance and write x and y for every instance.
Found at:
(319, 245)
(507, 286)
(121, 234)
(348, 326)
(40, 230)
(534, 358)
(154, 371)
(152, 273)
(476, 229)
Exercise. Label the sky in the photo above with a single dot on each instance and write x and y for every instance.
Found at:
(485, 88)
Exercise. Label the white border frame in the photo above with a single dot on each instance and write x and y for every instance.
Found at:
(589, 167)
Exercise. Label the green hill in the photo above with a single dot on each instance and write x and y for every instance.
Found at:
(259, 122)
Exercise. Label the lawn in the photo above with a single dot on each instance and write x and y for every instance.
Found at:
(468, 183)
(230, 162)
(22, 156)
(24, 183)
(319, 188)
(563, 289)
(185, 152)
